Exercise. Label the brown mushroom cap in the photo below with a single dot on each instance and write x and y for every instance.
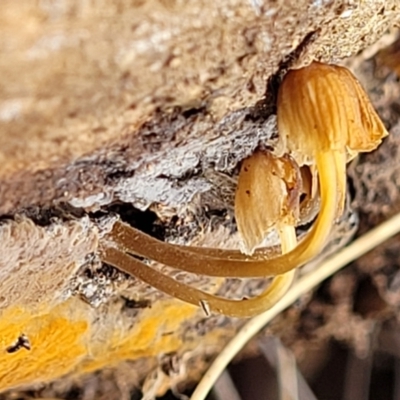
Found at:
(267, 196)
(323, 107)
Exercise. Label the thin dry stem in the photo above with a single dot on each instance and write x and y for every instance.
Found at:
(209, 302)
(358, 248)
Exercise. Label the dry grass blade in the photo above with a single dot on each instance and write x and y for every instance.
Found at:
(287, 375)
(359, 247)
(224, 388)
(358, 377)
(284, 363)
(292, 385)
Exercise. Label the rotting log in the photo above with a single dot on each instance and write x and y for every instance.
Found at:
(142, 109)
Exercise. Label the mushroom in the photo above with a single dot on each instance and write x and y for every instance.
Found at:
(324, 119)
(262, 177)
(267, 196)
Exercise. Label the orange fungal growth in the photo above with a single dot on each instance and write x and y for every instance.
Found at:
(52, 345)
(42, 345)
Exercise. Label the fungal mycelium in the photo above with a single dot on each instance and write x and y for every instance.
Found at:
(324, 119)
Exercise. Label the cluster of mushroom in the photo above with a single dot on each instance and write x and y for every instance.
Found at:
(324, 119)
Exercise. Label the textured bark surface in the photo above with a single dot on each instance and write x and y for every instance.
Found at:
(94, 93)
(144, 109)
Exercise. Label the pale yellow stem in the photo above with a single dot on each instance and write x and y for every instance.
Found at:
(287, 236)
(332, 183)
(210, 303)
(307, 283)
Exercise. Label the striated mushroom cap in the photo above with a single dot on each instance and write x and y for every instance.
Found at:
(267, 196)
(323, 107)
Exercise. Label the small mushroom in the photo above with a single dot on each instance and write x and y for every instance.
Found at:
(325, 119)
(267, 196)
(262, 177)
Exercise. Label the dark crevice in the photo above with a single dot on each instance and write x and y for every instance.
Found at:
(117, 175)
(183, 227)
(74, 393)
(351, 188)
(146, 221)
(267, 106)
(323, 293)
(193, 111)
(135, 304)
(367, 300)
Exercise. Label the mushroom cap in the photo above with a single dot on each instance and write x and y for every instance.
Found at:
(267, 195)
(323, 107)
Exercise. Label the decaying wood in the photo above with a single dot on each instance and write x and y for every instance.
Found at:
(144, 109)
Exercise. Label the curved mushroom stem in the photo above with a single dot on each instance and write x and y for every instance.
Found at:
(331, 167)
(209, 303)
(231, 263)
(133, 241)
(287, 236)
